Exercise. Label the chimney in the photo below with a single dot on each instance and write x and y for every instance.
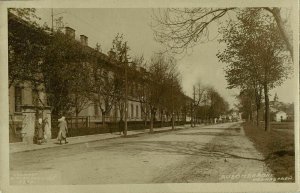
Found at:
(70, 32)
(84, 40)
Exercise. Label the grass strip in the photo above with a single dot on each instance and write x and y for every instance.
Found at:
(278, 148)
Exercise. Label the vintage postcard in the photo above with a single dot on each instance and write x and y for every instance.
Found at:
(149, 96)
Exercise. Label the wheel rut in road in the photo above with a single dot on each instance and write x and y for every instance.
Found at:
(200, 154)
(229, 153)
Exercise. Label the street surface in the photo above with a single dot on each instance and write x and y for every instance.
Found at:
(214, 153)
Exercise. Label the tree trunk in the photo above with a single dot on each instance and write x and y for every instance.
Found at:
(257, 117)
(258, 103)
(192, 116)
(267, 113)
(145, 120)
(76, 112)
(151, 121)
(173, 121)
(251, 113)
(103, 118)
(76, 120)
(161, 119)
(276, 13)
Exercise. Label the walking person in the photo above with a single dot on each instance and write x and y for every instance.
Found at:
(63, 130)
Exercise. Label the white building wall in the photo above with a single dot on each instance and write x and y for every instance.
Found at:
(280, 116)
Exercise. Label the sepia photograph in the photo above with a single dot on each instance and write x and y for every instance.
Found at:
(151, 95)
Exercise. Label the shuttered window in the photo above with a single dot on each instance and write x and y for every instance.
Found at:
(18, 99)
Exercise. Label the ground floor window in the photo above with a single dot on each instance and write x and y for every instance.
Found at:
(132, 111)
(18, 99)
(137, 111)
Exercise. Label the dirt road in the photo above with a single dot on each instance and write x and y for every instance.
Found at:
(216, 153)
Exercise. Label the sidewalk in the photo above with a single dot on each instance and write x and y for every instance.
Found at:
(22, 146)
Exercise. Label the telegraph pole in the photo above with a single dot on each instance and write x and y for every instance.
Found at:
(126, 91)
(172, 95)
(52, 20)
(193, 107)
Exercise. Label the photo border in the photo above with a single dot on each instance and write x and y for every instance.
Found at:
(139, 188)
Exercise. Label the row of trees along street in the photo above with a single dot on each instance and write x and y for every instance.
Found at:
(258, 42)
(75, 76)
(207, 104)
(255, 57)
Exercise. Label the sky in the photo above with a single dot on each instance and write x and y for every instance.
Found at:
(200, 64)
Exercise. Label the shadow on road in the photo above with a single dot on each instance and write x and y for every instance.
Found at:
(178, 147)
(208, 133)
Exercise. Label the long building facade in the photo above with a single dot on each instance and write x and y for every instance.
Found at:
(27, 103)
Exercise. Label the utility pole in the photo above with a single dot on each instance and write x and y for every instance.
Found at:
(205, 111)
(172, 104)
(126, 90)
(193, 106)
(52, 20)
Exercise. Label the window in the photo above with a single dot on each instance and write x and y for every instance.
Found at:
(132, 111)
(96, 108)
(18, 99)
(35, 97)
(137, 111)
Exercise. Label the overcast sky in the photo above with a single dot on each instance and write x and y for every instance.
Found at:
(102, 25)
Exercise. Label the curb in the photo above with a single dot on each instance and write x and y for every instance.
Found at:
(92, 140)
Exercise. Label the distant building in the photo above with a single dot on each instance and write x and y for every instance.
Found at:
(280, 116)
(280, 111)
(236, 116)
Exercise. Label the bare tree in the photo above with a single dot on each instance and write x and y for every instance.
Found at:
(141, 76)
(218, 105)
(156, 85)
(198, 97)
(180, 29)
(118, 55)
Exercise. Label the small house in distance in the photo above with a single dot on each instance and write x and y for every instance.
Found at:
(280, 116)
(280, 111)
